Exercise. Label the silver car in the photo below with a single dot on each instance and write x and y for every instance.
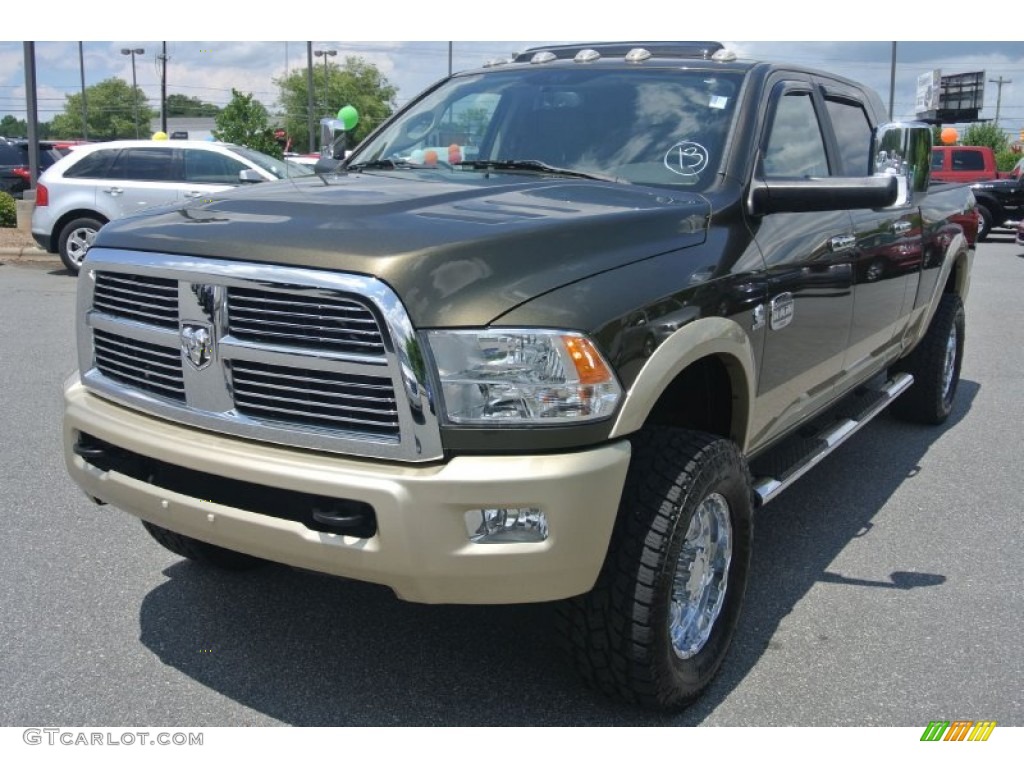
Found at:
(99, 182)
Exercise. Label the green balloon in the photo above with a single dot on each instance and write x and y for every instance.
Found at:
(348, 116)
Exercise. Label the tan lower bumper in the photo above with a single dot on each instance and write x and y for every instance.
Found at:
(421, 549)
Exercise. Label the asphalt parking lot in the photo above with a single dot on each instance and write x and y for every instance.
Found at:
(885, 588)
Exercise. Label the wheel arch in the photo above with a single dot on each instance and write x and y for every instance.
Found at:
(993, 206)
(77, 213)
(955, 277)
(958, 280)
(712, 353)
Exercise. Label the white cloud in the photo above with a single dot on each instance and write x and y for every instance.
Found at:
(209, 69)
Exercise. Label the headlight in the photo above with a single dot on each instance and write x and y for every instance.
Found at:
(515, 376)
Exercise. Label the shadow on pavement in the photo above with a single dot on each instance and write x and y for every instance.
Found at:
(313, 650)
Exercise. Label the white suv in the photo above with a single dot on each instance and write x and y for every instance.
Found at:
(99, 182)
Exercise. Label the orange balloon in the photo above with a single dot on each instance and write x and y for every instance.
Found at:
(949, 135)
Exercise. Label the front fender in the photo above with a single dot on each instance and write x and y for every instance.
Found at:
(957, 261)
(709, 337)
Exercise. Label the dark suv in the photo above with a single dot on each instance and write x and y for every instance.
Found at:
(14, 164)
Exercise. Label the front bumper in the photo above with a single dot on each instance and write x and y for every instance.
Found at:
(421, 548)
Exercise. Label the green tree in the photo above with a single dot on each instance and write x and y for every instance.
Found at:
(991, 135)
(180, 105)
(12, 126)
(245, 121)
(984, 135)
(355, 81)
(110, 113)
(1007, 159)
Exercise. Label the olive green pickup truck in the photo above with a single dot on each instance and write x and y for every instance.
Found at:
(553, 332)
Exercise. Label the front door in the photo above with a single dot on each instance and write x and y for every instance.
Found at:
(809, 258)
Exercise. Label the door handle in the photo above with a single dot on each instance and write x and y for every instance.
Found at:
(194, 193)
(901, 227)
(841, 243)
(115, 191)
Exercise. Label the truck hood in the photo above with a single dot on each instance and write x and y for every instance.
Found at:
(1005, 185)
(459, 248)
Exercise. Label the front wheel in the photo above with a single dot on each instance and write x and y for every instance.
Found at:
(658, 623)
(984, 222)
(75, 240)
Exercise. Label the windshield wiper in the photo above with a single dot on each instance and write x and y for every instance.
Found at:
(533, 165)
(378, 165)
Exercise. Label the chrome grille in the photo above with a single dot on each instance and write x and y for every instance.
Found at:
(301, 357)
(318, 398)
(332, 323)
(152, 300)
(150, 367)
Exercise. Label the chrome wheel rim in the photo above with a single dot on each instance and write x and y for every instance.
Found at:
(79, 242)
(701, 577)
(949, 365)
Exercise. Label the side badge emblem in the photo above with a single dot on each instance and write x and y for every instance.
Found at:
(782, 311)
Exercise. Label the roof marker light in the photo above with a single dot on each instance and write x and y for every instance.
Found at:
(586, 55)
(723, 54)
(636, 55)
(543, 57)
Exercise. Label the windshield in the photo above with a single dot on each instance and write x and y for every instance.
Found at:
(653, 126)
(282, 169)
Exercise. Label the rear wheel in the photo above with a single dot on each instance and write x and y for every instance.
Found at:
(935, 366)
(201, 551)
(657, 625)
(75, 239)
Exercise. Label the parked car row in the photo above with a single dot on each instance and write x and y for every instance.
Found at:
(14, 163)
(96, 183)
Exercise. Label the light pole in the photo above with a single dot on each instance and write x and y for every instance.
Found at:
(135, 102)
(325, 54)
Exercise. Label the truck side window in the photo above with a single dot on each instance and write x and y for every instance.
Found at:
(795, 146)
(853, 135)
(968, 160)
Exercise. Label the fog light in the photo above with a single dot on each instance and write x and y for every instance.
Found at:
(505, 525)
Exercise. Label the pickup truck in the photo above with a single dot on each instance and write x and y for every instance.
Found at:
(1000, 203)
(964, 164)
(565, 361)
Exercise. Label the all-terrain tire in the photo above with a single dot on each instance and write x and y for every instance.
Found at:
(201, 551)
(627, 637)
(935, 366)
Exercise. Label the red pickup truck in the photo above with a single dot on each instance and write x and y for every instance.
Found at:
(963, 164)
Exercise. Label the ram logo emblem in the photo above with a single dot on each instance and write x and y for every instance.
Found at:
(197, 344)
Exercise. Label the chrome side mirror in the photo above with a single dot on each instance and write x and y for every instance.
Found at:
(904, 150)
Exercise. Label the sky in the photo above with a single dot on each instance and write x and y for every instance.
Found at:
(252, 53)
